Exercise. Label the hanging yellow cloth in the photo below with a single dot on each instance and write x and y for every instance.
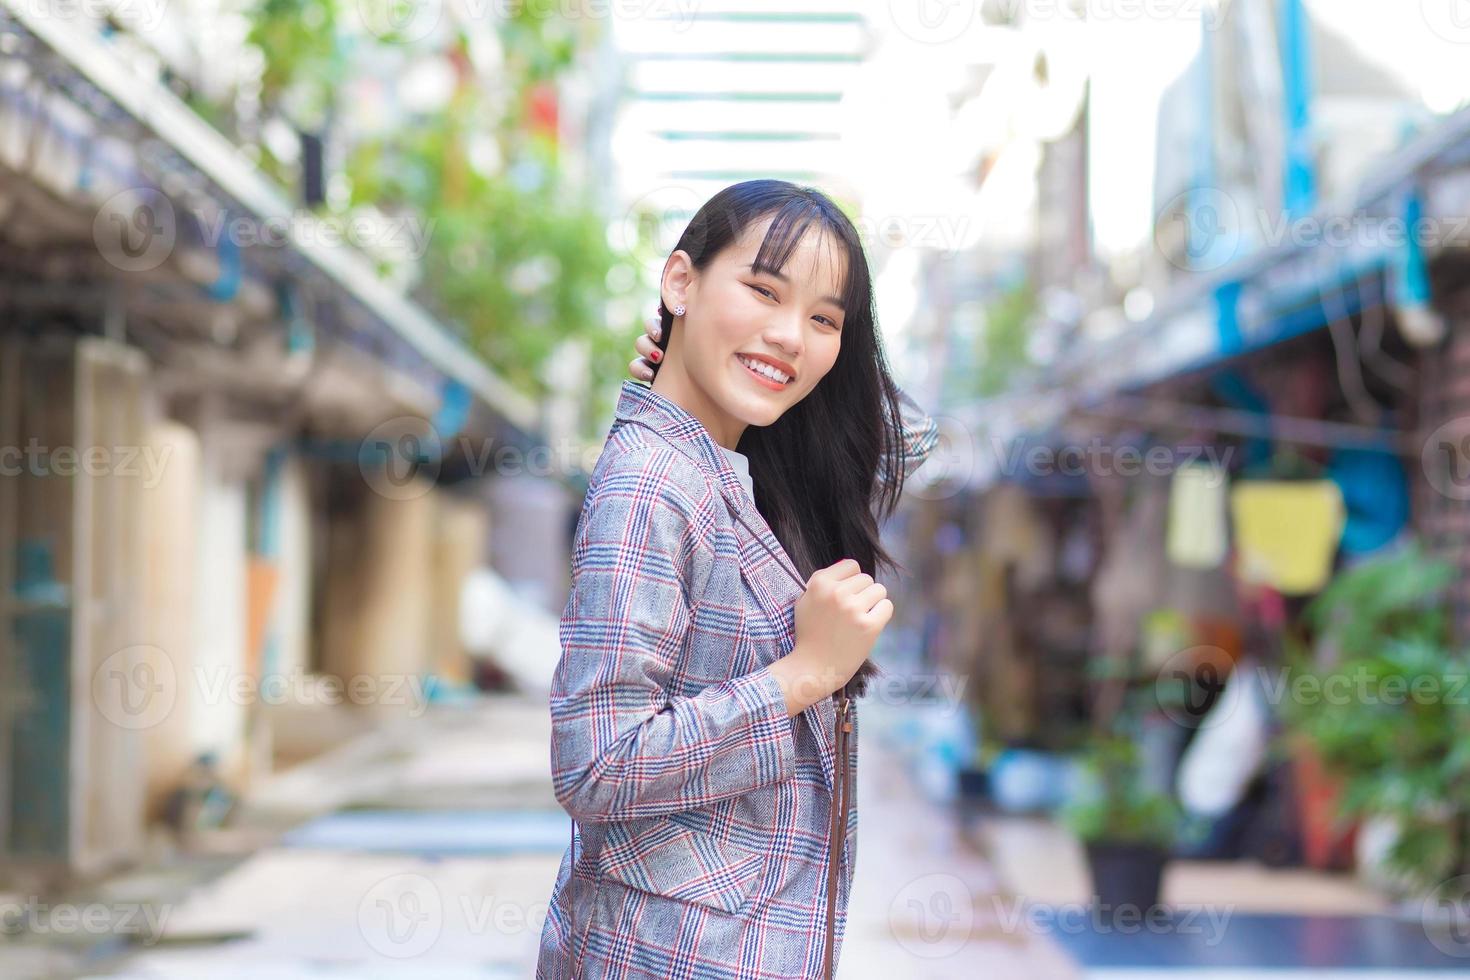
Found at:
(1286, 533)
(1197, 535)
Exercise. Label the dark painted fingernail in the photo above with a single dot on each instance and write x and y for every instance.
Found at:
(657, 355)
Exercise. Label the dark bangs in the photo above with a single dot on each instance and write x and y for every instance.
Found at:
(789, 227)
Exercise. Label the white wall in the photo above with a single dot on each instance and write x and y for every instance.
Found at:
(291, 617)
(217, 717)
(168, 589)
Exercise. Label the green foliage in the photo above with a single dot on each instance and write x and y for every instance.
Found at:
(1391, 715)
(1004, 338)
(1399, 596)
(299, 40)
(1114, 803)
(303, 65)
(517, 256)
(513, 257)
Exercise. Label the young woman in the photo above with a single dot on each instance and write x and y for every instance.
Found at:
(722, 594)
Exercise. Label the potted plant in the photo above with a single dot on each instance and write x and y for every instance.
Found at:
(1128, 826)
(1383, 705)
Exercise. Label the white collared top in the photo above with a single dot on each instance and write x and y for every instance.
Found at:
(741, 463)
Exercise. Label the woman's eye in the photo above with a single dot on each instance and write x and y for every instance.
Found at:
(767, 293)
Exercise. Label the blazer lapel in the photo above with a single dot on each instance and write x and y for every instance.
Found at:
(773, 578)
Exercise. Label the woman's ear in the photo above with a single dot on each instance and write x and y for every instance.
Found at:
(679, 275)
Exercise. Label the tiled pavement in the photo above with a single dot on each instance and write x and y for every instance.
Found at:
(926, 902)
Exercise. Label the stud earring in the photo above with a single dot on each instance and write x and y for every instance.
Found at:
(679, 310)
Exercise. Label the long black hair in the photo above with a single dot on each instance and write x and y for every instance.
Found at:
(816, 468)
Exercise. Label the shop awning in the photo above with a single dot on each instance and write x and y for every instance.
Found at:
(1271, 294)
(235, 179)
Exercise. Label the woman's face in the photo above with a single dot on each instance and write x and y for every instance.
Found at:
(739, 324)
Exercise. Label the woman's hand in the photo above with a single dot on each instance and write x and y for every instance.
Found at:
(641, 367)
(838, 620)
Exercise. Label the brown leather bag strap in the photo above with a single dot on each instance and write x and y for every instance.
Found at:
(837, 831)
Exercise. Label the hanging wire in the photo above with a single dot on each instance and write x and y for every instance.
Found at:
(1345, 349)
(1159, 413)
(1370, 347)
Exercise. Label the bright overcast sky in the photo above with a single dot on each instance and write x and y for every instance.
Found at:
(896, 138)
(1424, 42)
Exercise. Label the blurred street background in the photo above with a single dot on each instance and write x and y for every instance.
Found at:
(313, 315)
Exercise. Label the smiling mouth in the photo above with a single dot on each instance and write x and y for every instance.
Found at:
(764, 373)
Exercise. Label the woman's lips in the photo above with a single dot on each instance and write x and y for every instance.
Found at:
(761, 378)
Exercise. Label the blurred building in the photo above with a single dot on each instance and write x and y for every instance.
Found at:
(230, 450)
(1301, 314)
(716, 95)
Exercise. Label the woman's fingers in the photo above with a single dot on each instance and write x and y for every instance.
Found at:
(881, 613)
(855, 584)
(841, 570)
(641, 367)
(869, 598)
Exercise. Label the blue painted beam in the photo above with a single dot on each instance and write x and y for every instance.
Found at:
(1299, 185)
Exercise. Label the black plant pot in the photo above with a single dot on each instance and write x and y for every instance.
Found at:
(1126, 873)
(974, 784)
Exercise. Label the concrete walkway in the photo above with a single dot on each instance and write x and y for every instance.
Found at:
(427, 850)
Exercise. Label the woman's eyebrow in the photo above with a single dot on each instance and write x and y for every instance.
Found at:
(785, 279)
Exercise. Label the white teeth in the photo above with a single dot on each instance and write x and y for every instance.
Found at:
(760, 367)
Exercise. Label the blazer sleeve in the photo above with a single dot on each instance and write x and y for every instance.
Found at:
(621, 747)
(919, 435)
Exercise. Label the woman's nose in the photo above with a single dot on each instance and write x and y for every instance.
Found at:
(785, 332)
